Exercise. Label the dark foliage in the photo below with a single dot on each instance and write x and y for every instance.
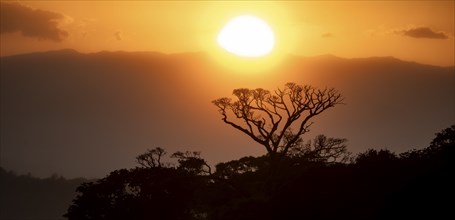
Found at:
(376, 184)
(140, 193)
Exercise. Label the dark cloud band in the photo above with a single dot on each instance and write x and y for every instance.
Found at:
(422, 32)
(16, 17)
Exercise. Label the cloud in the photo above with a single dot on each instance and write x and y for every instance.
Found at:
(118, 35)
(41, 24)
(326, 35)
(421, 32)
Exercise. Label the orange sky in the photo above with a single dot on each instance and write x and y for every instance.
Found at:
(421, 31)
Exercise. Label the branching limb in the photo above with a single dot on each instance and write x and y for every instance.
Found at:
(269, 117)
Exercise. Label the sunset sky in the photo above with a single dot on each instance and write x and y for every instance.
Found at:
(421, 31)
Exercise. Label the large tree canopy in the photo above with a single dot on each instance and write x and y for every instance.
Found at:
(276, 119)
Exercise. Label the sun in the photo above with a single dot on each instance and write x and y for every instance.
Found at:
(247, 36)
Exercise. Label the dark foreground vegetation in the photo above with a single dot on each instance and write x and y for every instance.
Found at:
(316, 180)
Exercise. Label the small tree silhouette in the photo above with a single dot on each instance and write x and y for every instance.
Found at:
(277, 119)
(322, 149)
(151, 158)
(192, 162)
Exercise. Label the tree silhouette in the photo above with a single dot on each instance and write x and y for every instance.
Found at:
(192, 162)
(151, 158)
(377, 184)
(322, 149)
(241, 166)
(139, 193)
(277, 119)
(152, 191)
(444, 138)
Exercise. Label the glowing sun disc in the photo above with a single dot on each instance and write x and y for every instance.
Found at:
(247, 36)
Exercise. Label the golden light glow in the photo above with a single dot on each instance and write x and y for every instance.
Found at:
(275, 18)
(306, 28)
(247, 36)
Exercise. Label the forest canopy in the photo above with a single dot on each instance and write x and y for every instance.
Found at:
(312, 184)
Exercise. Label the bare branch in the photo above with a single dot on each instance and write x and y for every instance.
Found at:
(269, 118)
(324, 149)
(152, 158)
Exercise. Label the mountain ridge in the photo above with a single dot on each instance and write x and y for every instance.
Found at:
(69, 51)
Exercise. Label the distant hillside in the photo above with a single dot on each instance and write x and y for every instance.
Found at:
(87, 114)
(27, 197)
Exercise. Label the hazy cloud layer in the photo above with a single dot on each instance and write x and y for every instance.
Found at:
(16, 17)
(326, 35)
(421, 32)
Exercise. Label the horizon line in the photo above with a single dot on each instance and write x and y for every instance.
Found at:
(205, 52)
